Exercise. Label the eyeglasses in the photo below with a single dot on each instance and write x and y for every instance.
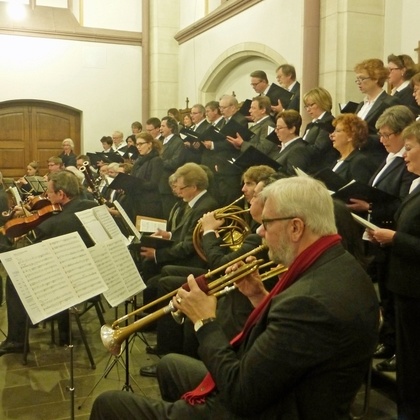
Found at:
(309, 105)
(256, 84)
(385, 136)
(277, 128)
(183, 188)
(361, 79)
(141, 143)
(265, 222)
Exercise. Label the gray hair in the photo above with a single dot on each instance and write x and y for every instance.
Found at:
(69, 142)
(396, 118)
(305, 198)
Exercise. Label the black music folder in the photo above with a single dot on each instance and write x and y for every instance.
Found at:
(213, 134)
(273, 138)
(232, 128)
(244, 109)
(106, 157)
(131, 153)
(348, 108)
(151, 242)
(363, 192)
(125, 182)
(189, 135)
(276, 92)
(332, 180)
(252, 157)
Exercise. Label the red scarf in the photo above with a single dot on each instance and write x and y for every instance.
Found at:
(298, 267)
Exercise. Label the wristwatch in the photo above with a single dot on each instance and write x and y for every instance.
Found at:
(202, 322)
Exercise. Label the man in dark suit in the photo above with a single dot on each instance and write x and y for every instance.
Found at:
(172, 156)
(295, 152)
(305, 348)
(263, 125)
(286, 78)
(64, 189)
(190, 182)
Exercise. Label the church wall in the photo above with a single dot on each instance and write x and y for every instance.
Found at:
(101, 80)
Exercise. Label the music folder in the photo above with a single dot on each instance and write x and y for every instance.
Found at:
(363, 192)
(151, 242)
(276, 92)
(273, 138)
(348, 108)
(110, 157)
(131, 153)
(189, 135)
(252, 157)
(213, 134)
(232, 128)
(244, 109)
(125, 182)
(332, 180)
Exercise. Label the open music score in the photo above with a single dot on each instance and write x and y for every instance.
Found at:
(100, 225)
(53, 275)
(150, 224)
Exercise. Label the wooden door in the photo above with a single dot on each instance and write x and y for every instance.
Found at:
(33, 130)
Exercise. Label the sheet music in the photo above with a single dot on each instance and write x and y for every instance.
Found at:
(364, 222)
(116, 266)
(149, 224)
(99, 224)
(53, 275)
(127, 220)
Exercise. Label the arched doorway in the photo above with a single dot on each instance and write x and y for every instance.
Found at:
(33, 130)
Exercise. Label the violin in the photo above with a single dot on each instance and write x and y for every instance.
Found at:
(22, 225)
(37, 202)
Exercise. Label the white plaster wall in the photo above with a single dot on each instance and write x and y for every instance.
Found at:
(276, 24)
(101, 80)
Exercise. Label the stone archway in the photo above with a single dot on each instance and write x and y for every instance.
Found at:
(233, 58)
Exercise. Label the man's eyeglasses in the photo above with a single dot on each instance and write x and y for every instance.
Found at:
(183, 188)
(256, 84)
(265, 222)
(385, 136)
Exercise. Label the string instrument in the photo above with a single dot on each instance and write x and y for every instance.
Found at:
(37, 202)
(22, 225)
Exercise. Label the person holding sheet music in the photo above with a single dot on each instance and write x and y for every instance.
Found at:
(318, 104)
(349, 136)
(404, 281)
(145, 199)
(64, 189)
(392, 177)
(31, 170)
(263, 125)
(295, 152)
(286, 78)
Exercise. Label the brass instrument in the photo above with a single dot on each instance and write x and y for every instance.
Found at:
(113, 336)
(233, 232)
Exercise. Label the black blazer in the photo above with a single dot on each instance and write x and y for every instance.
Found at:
(297, 154)
(404, 264)
(295, 102)
(406, 98)
(374, 148)
(172, 160)
(182, 252)
(396, 180)
(356, 166)
(317, 134)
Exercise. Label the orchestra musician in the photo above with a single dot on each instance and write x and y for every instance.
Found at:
(31, 170)
(64, 189)
(305, 348)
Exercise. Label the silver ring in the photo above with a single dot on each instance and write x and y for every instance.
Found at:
(179, 300)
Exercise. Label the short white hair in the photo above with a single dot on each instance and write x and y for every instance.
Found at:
(68, 141)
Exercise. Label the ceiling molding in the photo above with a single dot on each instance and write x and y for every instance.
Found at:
(221, 14)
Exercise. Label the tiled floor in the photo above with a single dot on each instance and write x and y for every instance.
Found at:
(39, 391)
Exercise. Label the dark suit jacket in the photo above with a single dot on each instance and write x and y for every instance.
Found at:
(373, 148)
(259, 141)
(172, 160)
(405, 249)
(295, 102)
(396, 180)
(317, 134)
(308, 353)
(183, 252)
(298, 154)
(356, 166)
(406, 98)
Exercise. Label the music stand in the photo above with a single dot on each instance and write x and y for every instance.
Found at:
(37, 183)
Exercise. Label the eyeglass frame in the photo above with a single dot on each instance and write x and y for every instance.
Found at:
(274, 219)
(361, 79)
(385, 136)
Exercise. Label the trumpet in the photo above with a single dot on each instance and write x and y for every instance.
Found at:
(233, 232)
(113, 336)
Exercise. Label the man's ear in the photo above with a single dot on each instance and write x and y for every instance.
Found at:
(297, 227)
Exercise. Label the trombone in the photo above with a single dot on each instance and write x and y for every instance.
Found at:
(113, 336)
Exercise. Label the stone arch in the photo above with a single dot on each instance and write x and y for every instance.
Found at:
(234, 57)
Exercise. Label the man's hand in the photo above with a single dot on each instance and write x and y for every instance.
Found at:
(277, 108)
(162, 234)
(208, 144)
(195, 304)
(236, 141)
(358, 205)
(209, 222)
(147, 253)
(382, 236)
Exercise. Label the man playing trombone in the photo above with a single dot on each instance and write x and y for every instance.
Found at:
(304, 349)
